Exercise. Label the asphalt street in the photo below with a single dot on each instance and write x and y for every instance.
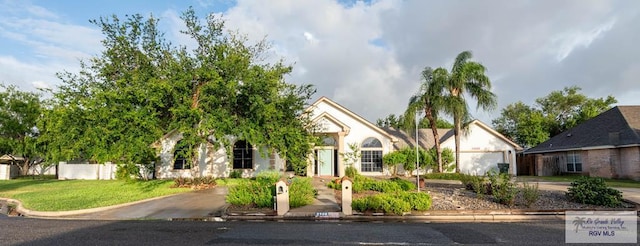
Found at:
(26, 231)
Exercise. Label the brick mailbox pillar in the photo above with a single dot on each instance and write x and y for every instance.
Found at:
(347, 196)
(282, 197)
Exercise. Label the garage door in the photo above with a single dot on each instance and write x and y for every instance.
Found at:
(478, 163)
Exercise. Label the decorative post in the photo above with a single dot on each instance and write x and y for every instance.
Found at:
(347, 193)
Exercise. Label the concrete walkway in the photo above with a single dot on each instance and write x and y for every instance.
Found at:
(324, 202)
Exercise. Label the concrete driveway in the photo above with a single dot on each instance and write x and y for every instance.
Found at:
(196, 204)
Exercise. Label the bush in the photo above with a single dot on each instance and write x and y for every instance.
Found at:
(194, 183)
(127, 172)
(252, 193)
(301, 192)
(530, 193)
(351, 172)
(269, 177)
(235, 174)
(419, 201)
(594, 191)
(446, 176)
(405, 185)
(503, 190)
(334, 184)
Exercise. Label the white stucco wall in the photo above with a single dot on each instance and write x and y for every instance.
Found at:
(358, 131)
(481, 150)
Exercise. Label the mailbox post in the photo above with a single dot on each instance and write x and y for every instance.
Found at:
(347, 194)
(282, 198)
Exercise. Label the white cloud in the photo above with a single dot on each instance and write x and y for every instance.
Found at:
(565, 43)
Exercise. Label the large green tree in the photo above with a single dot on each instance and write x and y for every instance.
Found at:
(549, 116)
(142, 87)
(466, 78)
(19, 113)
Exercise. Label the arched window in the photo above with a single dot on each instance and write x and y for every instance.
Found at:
(180, 160)
(371, 155)
(328, 141)
(242, 155)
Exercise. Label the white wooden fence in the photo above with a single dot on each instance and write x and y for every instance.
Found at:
(104, 171)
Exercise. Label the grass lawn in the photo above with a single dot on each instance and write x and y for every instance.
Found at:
(620, 183)
(64, 195)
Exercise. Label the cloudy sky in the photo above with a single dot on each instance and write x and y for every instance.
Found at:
(366, 55)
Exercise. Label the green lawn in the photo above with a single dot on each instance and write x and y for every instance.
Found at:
(63, 195)
(620, 183)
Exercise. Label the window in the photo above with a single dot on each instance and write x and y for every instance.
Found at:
(180, 157)
(574, 162)
(371, 155)
(242, 155)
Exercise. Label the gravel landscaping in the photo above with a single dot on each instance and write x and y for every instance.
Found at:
(456, 197)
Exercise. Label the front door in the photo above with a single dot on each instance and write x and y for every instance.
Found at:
(325, 162)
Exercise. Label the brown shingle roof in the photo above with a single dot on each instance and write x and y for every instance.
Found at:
(618, 126)
(425, 135)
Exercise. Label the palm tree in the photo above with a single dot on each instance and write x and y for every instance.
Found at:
(430, 98)
(466, 77)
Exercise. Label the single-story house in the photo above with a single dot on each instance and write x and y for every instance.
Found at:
(607, 145)
(481, 147)
(341, 130)
(9, 166)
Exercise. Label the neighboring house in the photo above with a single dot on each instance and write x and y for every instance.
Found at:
(607, 145)
(482, 148)
(9, 166)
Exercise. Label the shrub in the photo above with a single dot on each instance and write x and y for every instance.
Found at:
(396, 204)
(351, 172)
(503, 190)
(301, 192)
(530, 193)
(269, 176)
(235, 174)
(252, 193)
(479, 186)
(333, 184)
(447, 176)
(127, 172)
(194, 183)
(594, 191)
(418, 200)
(404, 184)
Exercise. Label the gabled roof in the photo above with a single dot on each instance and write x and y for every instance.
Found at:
(616, 127)
(8, 159)
(349, 113)
(426, 136)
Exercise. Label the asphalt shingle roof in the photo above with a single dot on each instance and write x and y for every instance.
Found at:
(618, 126)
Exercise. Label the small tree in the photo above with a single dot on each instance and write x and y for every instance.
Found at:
(352, 157)
(393, 159)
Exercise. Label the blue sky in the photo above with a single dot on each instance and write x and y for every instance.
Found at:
(366, 55)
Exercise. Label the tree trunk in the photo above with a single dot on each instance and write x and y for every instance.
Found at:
(456, 132)
(436, 138)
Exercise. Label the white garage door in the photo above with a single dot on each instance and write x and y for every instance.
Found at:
(478, 163)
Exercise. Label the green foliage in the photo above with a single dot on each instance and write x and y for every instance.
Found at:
(594, 191)
(127, 171)
(268, 176)
(351, 157)
(425, 160)
(19, 113)
(142, 87)
(446, 176)
(252, 193)
(419, 201)
(391, 160)
(398, 122)
(530, 193)
(301, 192)
(549, 116)
(351, 172)
(393, 204)
(405, 185)
(235, 174)
(504, 191)
(335, 184)
(195, 183)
